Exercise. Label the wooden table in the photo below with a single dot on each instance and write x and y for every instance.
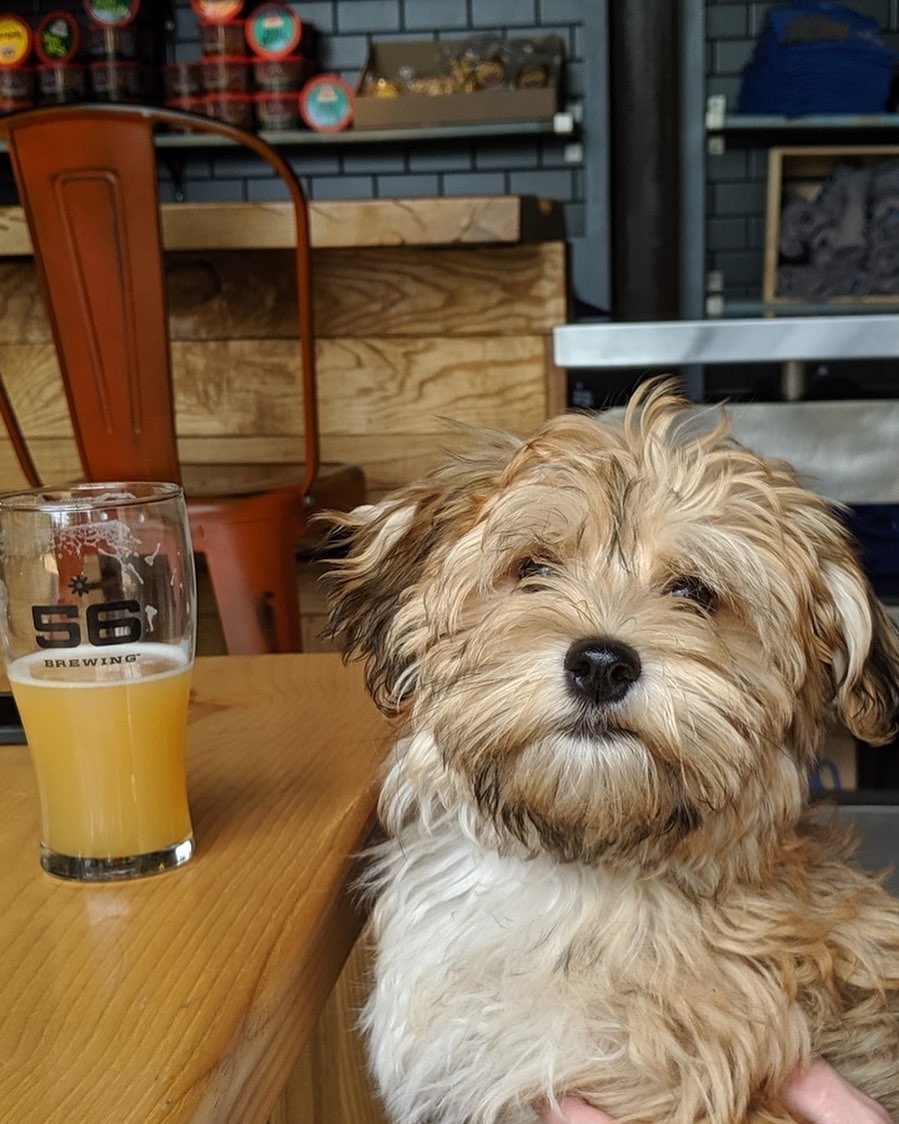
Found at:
(188, 996)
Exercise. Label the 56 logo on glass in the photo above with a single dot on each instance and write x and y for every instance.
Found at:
(60, 626)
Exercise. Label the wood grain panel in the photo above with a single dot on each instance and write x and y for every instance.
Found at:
(355, 222)
(232, 295)
(239, 400)
(556, 381)
(404, 386)
(389, 386)
(248, 389)
(335, 1051)
(253, 449)
(384, 292)
(417, 329)
(33, 382)
(502, 291)
(238, 387)
(14, 236)
(220, 294)
(390, 463)
(22, 316)
(497, 290)
(56, 460)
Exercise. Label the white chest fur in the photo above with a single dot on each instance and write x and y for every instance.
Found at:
(501, 979)
(479, 1002)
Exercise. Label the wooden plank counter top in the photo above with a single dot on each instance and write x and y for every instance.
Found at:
(188, 996)
(466, 220)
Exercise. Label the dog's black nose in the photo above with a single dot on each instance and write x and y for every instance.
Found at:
(602, 670)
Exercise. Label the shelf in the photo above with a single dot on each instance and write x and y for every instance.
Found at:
(720, 124)
(737, 308)
(563, 125)
(736, 123)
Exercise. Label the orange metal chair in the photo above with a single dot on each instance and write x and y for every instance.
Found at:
(87, 180)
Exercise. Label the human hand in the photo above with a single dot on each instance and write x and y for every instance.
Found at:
(818, 1093)
(573, 1111)
(822, 1096)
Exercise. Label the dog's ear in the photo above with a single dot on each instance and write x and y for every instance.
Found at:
(389, 554)
(865, 646)
(384, 550)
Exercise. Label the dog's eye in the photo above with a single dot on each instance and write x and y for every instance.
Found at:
(529, 569)
(692, 589)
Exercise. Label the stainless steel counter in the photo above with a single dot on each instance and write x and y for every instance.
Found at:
(845, 450)
(672, 343)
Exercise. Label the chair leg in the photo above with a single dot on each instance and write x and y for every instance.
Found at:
(254, 579)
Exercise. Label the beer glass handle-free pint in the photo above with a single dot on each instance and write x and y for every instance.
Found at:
(97, 630)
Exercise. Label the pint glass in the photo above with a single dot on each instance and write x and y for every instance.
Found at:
(98, 620)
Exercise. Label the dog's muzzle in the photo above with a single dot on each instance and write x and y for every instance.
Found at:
(601, 670)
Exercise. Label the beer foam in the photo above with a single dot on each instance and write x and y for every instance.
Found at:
(87, 666)
(113, 538)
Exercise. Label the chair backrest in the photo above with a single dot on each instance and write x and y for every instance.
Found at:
(87, 180)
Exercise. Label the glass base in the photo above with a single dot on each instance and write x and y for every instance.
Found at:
(116, 869)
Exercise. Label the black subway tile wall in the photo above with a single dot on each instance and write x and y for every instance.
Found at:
(495, 166)
(382, 170)
(736, 195)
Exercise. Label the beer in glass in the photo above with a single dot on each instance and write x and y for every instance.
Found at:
(98, 616)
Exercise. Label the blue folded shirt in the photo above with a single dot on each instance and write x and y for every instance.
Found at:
(817, 56)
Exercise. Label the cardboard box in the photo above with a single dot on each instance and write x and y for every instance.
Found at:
(802, 176)
(395, 61)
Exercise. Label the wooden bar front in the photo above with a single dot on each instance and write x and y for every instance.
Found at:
(428, 312)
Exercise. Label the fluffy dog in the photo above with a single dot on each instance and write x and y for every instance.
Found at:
(613, 650)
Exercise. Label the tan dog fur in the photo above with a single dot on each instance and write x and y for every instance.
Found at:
(626, 900)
